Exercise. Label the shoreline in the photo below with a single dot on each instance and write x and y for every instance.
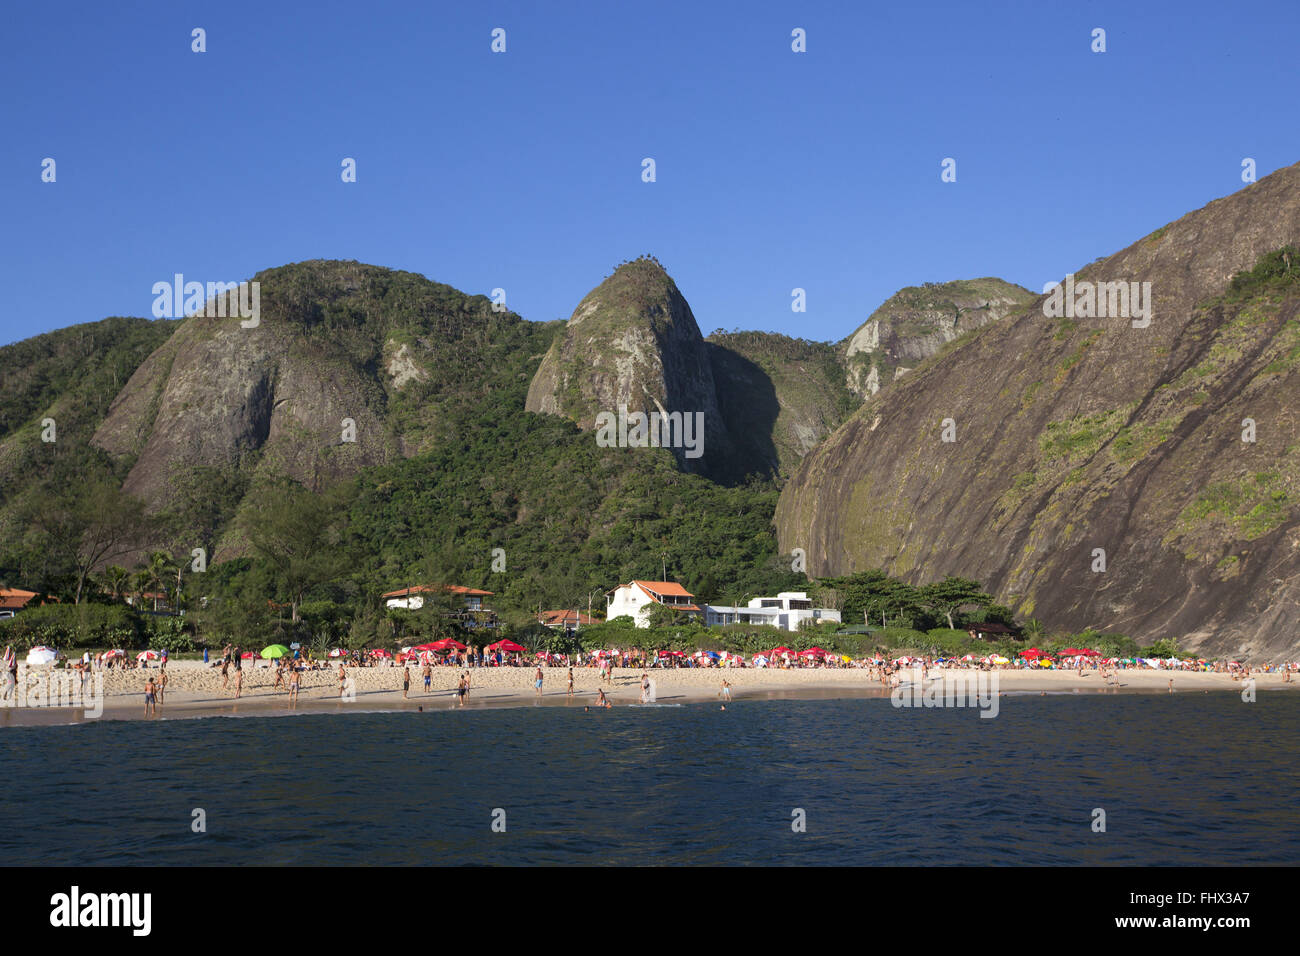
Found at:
(195, 690)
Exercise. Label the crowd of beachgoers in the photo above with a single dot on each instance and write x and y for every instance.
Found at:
(451, 653)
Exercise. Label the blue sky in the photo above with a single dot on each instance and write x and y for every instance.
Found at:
(522, 170)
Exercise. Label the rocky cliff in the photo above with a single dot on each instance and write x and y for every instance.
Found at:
(916, 322)
(1091, 468)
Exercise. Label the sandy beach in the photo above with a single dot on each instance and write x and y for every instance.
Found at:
(194, 689)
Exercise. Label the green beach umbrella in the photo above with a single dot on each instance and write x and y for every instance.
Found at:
(275, 650)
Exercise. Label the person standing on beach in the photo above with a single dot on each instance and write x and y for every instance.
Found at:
(225, 672)
(726, 689)
(149, 698)
(343, 679)
(462, 689)
(239, 682)
(537, 682)
(11, 673)
(428, 675)
(569, 692)
(468, 681)
(406, 682)
(293, 685)
(162, 686)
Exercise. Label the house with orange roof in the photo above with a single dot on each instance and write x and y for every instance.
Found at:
(570, 619)
(635, 599)
(13, 600)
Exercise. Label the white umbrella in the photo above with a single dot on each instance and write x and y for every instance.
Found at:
(41, 655)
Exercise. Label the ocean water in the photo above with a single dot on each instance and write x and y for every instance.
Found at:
(1191, 779)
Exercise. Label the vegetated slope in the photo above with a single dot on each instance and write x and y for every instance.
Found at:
(916, 322)
(779, 396)
(71, 376)
(1077, 436)
(349, 366)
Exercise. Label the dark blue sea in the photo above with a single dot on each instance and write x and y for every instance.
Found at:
(1187, 780)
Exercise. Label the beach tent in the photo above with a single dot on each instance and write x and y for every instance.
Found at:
(274, 650)
(41, 655)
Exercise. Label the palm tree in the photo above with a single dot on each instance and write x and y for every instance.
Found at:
(159, 572)
(140, 584)
(1034, 629)
(117, 578)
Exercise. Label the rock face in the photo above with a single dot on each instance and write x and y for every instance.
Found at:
(1084, 443)
(918, 321)
(779, 396)
(349, 366)
(633, 343)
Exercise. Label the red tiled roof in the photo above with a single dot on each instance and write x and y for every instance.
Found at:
(12, 599)
(424, 588)
(665, 588)
(552, 618)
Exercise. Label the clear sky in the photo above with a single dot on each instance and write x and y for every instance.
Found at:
(523, 170)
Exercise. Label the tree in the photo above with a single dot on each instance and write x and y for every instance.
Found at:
(91, 523)
(874, 594)
(159, 569)
(299, 534)
(117, 578)
(950, 595)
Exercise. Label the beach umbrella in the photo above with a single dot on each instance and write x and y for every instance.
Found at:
(1029, 654)
(431, 646)
(714, 654)
(511, 647)
(109, 655)
(274, 650)
(147, 656)
(247, 655)
(813, 652)
(41, 655)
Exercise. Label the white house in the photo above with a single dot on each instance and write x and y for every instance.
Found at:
(787, 611)
(635, 599)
